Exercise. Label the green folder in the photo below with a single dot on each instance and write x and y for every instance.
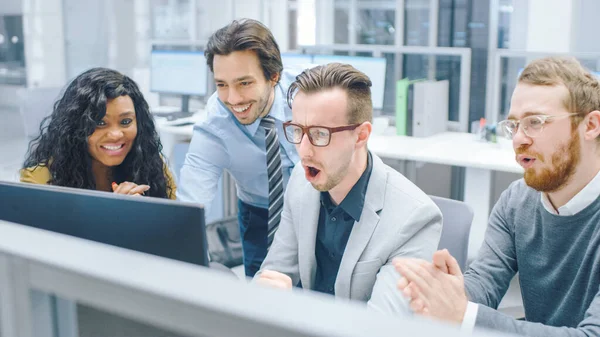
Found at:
(402, 109)
(402, 106)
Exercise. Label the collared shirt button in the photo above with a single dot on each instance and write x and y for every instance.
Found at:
(333, 218)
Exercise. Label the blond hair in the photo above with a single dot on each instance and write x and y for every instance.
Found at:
(583, 87)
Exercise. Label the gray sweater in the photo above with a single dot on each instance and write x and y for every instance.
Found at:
(558, 260)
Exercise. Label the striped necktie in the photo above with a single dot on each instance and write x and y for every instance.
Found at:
(275, 176)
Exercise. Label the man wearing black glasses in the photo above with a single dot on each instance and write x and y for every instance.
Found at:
(545, 226)
(346, 214)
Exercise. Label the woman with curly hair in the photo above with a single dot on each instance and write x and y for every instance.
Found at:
(100, 136)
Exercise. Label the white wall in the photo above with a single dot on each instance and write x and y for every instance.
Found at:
(584, 35)
(275, 16)
(542, 25)
(213, 15)
(86, 35)
(44, 43)
(11, 7)
(549, 25)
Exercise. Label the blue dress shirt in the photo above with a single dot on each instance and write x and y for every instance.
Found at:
(334, 228)
(222, 143)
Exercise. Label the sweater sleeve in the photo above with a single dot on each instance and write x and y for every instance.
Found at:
(488, 277)
(492, 319)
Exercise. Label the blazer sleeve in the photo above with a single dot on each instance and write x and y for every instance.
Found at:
(425, 226)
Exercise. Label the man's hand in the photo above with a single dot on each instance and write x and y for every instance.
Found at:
(435, 289)
(129, 188)
(275, 279)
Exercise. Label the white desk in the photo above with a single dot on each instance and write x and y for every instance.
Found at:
(449, 148)
(171, 134)
(457, 149)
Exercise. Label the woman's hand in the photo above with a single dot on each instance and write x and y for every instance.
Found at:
(129, 188)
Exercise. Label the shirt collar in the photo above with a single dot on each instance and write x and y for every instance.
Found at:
(277, 110)
(579, 202)
(354, 202)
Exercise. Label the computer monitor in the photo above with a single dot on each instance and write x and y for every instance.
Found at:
(296, 60)
(374, 67)
(155, 226)
(181, 72)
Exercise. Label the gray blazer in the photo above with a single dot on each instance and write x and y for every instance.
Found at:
(398, 220)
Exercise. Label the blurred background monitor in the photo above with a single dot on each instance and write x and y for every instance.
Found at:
(179, 72)
(374, 67)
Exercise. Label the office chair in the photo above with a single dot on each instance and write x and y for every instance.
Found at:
(458, 217)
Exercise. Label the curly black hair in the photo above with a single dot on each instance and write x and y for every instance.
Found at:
(62, 145)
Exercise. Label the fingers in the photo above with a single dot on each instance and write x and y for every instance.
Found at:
(129, 188)
(444, 261)
(417, 303)
(402, 283)
(417, 274)
(412, 291)
(272, 274)
(140, 189)
(275, 279)
(418, 306)
(454, 267)
(272, 283)
(439, 260)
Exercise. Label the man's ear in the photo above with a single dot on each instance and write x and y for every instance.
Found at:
(275, 78)
(364, 132)
(592, 125)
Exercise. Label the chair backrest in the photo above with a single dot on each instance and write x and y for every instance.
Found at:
(458, 217)
(34, 105)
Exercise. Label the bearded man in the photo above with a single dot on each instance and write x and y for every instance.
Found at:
(545, 226)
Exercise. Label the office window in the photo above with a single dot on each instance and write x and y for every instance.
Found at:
(464, 23)
(171, 19)
(293, 28)
(376, 26)
(12, 50)
(416, 23)
(505, 11)
(342, 23)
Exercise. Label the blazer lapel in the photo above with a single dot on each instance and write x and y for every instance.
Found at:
(307, 235)
(363, 229)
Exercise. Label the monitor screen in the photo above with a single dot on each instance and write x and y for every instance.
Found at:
(374, 67)
(155, 226)
(178, 72)
(294, 60)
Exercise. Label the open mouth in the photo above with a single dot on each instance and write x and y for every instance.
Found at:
(311, 172)
(113, 147)
(241, 109)
(526, 162)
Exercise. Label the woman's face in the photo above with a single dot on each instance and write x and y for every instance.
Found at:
(115, 133)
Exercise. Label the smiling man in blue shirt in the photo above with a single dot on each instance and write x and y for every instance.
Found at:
(244, 134)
